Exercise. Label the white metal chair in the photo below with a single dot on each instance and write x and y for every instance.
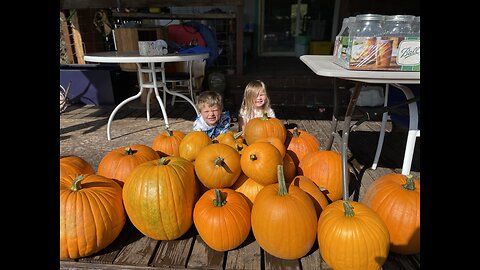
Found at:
(413, 130)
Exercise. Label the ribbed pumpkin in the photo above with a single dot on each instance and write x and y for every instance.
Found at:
(299, 143)
(91, 214)
(119, 163)
(259, 161)
(351, 236)
(74, 165)
(230, 138)
(325, 169)
(318, 198)
(248, 187)
(217, 165)
(192, 143)
(284, 222)
(222, 219)
(396, 199)
(289, 168)
(167, 143)
(159, 197)
(263, 127)
(275, 142)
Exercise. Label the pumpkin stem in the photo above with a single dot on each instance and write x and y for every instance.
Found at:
(76, 185)
(129, 151)
(239, 147)
(219, 161)
(163, 161)
(282, 187)
(410, 184)
(169, 132)
(237, 135)
(295, 132)
(265, 116)
(253, 157)
(348, 209)
(219, 201)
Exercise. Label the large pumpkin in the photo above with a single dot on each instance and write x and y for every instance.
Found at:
(159, 197)
(351, 236)
(325, 169)
(284, 222)
(299, 143)
(218, 165)
(167, 143)
(119, 163)
(259, 161)
(263, 127)
(91, 214)
(396, 199)
(222, 218)
(74, 165)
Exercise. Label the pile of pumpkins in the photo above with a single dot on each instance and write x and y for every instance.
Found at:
(273, 181)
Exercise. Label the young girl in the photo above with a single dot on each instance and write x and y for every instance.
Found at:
(255, 103)
(211, 120)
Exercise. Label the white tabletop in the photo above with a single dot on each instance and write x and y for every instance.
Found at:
(135, 57)
(323, 65)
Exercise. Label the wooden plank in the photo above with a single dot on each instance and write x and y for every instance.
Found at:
(66, 37)
(77, 40)
(274, 263)
(248, 256)
(324, 265)
(173, 253)
(399, 262)
(205, 257)
(313, 259)
(126, 39)
(138, 250)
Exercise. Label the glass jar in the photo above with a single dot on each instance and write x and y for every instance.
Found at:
(363, 40)
(397, 28)
(338, 39)
(416, 27)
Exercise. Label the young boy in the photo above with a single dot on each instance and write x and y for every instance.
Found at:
(211, 120)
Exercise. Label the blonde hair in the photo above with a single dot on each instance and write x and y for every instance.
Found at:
(209, 98)
(251, 92)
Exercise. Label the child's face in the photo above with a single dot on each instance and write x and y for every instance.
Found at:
(211, 114)
(260, 99)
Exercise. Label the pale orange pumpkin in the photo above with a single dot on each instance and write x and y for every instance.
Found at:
(222, 219)
(351, 236)
(119, 163)
(284, 222)
(217, 165)
(159, 197)
(299, 143)
(167, 143)
(74, 165)
(91, 214)
(263, 127)
(259, 162)
(325, 169)
(318, 198)
(396, 199)
(275, 141)
(230, 138)
(192, 143)
(248, 187)
(289, 168)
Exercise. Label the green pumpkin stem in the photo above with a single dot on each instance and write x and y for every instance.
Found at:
(163, 161)
(348, 209)
(219, 201)
(237, 135)
(265, 116)
(219, 161)
(128, 151)
(295, 132)
(169, 132)
(282, 186)
(253, 157)
(410, 184)
(76, 184)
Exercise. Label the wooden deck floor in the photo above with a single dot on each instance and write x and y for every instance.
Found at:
(83, 133)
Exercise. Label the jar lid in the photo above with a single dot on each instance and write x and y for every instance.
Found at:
(369, 17)
(417, 19)
(400, 18)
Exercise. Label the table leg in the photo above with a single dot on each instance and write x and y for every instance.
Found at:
(382, 131)
(118, 108)
(345, 132)
(155, 88)
(413, 131)
(333, 126)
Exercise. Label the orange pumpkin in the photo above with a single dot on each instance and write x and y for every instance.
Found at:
(352, 236)
(259, 162)
(74, 165)
(396, 199)
(167, 143)
(91, 214)
(289, 168)
(218, 165)
(230, 138)
(159, 197)
(299, 143)
(284, 222)
(325, 169)
(222, 219)
(318, 198)
(275, 142)
(248, 187)
(263, 127)
(119, 163)
(192, 143)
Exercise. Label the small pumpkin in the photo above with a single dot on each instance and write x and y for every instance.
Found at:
(222, 219)
(263, 127)
(248, 187)
(192, 143)
(275, 142)
(259, 162)
(318, 198)
(91, 214)
(299, 143)
(167, 143)
(74, 165)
